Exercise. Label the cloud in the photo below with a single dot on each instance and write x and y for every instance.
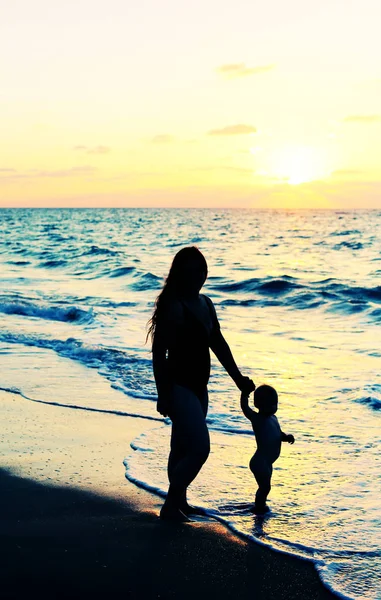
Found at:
(362, 119)
(240, 170)
(346, 172)
(231, 71)
(67, 172)
(35, 174)
(99, 150)
(162, 138)
(7, 170)
(233, 130)
(94, 150)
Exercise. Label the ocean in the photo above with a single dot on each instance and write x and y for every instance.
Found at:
(298, 296)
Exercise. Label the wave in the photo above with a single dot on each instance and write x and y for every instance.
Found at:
(53, 263)
(274, 286)
(140, 281)
(121, 271)
(362, 293)
(370, 401)
(147, 282)
(345, 232)
(294, 293)
(18, 263)
(281, 291)
(278, 286)
(70, 314)
(349, 307)
(307, 300)
(96, 250)
(126, 372)
(352, 245)
(120, 413)
(233, 302)
(376, 314)
(111, 272)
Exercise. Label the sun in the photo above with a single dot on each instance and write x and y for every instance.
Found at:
(297, 164)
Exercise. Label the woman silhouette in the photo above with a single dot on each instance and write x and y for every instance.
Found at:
(183, 327)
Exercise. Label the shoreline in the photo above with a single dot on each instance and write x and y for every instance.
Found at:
(72, 524)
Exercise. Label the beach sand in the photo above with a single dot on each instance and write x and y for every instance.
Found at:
(72, 526)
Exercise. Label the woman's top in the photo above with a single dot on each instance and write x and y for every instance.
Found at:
(188, 359)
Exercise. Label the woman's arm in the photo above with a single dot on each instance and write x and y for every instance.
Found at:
(221, 349)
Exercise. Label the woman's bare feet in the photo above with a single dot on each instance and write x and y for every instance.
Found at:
(173, 513)
(190, 510)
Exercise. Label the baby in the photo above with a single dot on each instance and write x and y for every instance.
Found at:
(269, 438)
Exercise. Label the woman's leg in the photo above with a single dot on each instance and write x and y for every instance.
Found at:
(178, 446)
(190, 444)
(177, 451)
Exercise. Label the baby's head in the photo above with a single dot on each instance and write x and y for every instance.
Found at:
(266, 400)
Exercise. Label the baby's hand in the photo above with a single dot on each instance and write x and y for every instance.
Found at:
(290, 438)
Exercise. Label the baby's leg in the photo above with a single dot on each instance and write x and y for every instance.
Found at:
(262, 471)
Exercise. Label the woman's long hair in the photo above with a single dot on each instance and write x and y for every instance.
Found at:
(174, 281)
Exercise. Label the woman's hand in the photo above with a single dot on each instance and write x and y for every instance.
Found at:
(162, 405)
(246, 385)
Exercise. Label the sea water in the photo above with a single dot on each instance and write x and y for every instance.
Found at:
(298, 296)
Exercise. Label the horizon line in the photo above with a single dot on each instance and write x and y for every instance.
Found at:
(270, 208)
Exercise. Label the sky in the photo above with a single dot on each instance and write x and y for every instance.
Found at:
(206, 103)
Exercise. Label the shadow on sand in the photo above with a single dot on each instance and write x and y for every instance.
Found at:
(60, 542)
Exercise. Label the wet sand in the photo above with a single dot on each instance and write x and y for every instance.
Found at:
(72, 526)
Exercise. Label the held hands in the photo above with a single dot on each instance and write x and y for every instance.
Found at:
(246, 385)
(290, 438)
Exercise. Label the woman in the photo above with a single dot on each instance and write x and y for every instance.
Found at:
(183, 327)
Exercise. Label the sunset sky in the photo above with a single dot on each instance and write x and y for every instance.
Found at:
(202, 103)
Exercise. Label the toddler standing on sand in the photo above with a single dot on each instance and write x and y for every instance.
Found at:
(269, 438)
